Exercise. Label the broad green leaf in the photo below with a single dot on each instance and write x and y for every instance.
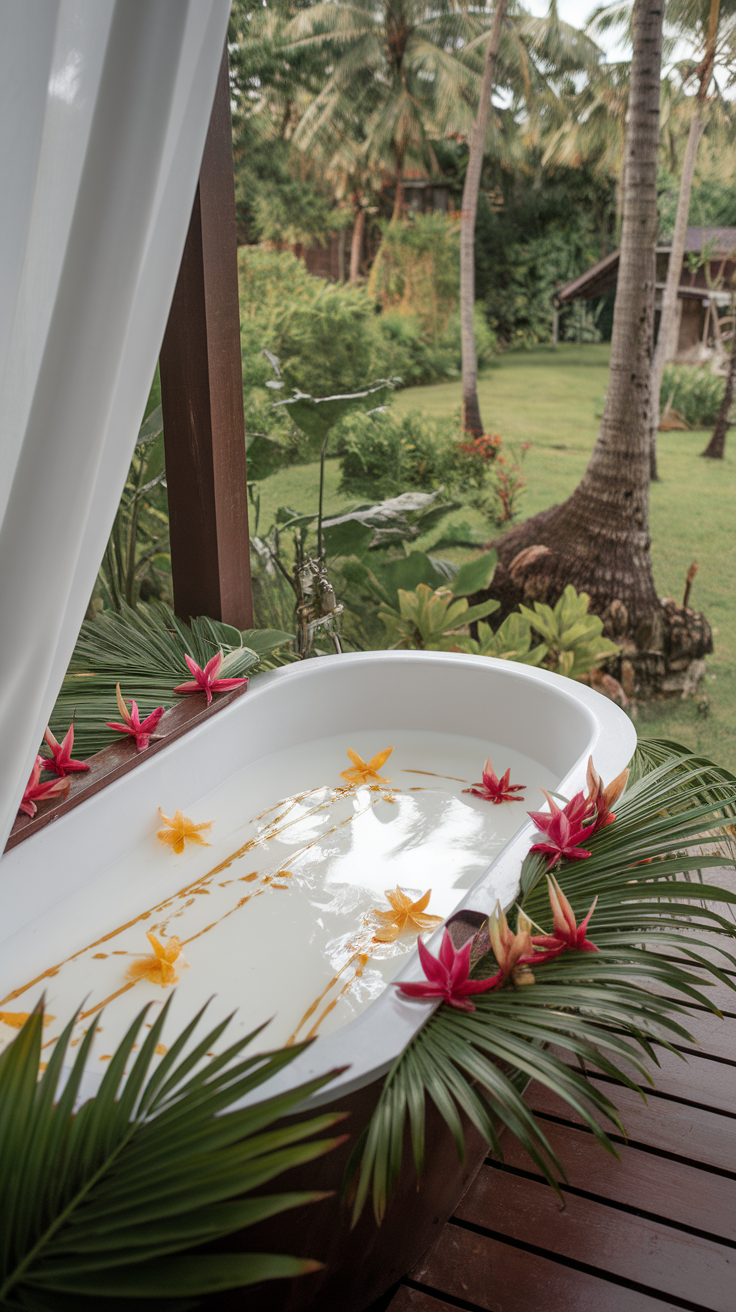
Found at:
(315, 415)
(347, 537)
(480, 611)
(407, 574)
(475, 575)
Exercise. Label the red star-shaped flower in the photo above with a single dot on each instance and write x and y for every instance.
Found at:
(38, 792)
(447, 976)
(206, 680)
(60, 762)
(563, 829)
(494, 789)
(142, 731)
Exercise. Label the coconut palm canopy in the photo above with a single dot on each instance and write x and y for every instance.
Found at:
(406, 74)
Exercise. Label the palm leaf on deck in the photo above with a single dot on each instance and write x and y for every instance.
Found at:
(144, 650)
(98, 1207)
(656, 931)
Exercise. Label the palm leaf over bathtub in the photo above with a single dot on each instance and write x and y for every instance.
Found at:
(98, 1206)
(663, 935)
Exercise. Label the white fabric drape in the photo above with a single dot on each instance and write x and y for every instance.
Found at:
(104, 109)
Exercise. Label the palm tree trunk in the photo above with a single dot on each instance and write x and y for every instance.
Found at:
(471, 420)
(356, 246)
(667, 340)
(598, 540)
(717, 444)
(398, 213)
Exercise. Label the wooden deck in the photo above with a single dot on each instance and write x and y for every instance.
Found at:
(653, 1232)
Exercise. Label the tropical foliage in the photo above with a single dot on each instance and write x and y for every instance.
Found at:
(137, 553)
(573, 639)
(395, 74)
(428, 619)
(659, 930)
(563, 638)
(103, 1205)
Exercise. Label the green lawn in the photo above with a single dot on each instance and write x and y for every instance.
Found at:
(552, 400)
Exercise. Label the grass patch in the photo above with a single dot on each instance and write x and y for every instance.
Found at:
(551, 399)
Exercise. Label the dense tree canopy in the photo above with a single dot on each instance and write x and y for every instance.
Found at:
(336, 102)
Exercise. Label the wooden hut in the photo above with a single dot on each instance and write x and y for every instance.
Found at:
(704, 296)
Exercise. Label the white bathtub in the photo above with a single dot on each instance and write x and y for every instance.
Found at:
(554, 720)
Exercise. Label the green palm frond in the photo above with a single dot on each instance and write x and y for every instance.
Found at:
(608, 1009)
(107, 1204)
(144, 650)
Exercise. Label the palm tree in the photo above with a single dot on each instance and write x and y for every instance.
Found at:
(710, 25)
(716, 447)
(396, 71)
(535, 52)
(598, 539)
(471, 420)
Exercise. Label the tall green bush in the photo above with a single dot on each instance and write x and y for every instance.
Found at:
(331, 337)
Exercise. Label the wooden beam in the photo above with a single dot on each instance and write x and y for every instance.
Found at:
(202, 398)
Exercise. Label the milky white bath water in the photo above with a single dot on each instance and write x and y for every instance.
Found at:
(277, 914)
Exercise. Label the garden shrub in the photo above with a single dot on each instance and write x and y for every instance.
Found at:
(323, 333)
(383, 454)
(694, 392)
(330, 338)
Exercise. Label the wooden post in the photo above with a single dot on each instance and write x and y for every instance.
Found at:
(202, 398)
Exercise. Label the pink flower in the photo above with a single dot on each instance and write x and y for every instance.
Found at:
(563, 829)
(60, 762)
(567, 933)
(37, 792)
(447, 976)
(600, 800)
(494, 789)
(206, 680)
(141, 731)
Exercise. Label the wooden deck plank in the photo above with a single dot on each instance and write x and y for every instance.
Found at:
(417, 1300)
(671, 1261)
(651, 1232)
(721, 995)
(691, 1133)
(715, 1036)
(486, 1273)
(687, 1078)
(674, 1191)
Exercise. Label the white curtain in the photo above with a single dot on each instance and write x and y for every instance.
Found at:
(104, 109)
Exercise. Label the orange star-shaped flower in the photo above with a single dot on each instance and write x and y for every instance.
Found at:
(364, 772)
(181, 830)
(405, 914)
(159, 967)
